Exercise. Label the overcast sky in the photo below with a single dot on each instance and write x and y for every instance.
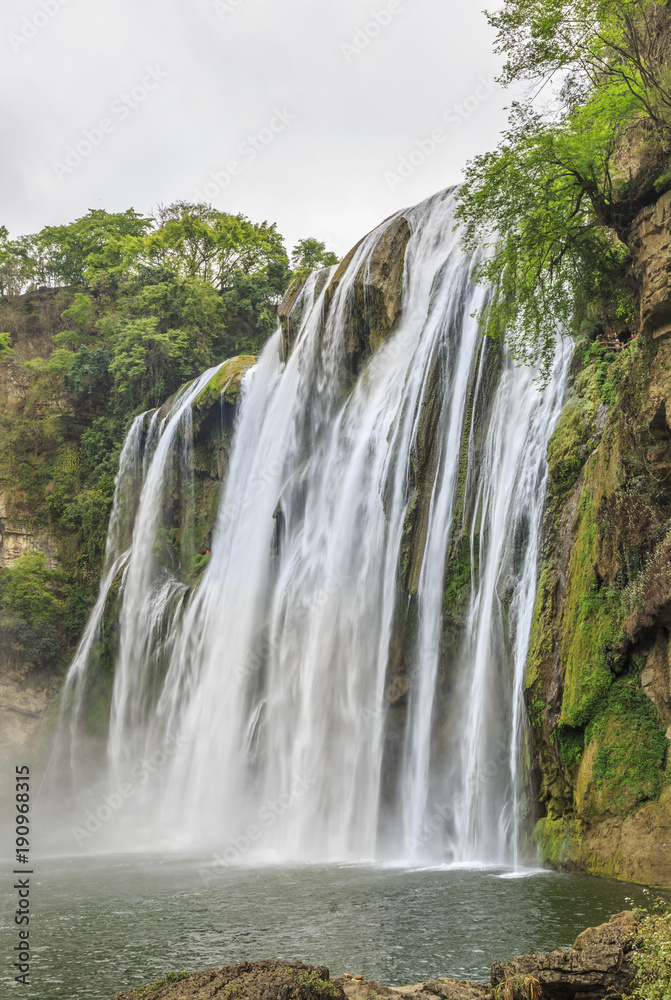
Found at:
(299, 112)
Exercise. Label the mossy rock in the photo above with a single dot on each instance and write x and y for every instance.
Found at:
(376, 296)
(224, 386)
(558, 840)
(592, 625)
(567, 448)
(625, 756)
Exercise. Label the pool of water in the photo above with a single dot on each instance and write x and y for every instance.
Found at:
(101, 925)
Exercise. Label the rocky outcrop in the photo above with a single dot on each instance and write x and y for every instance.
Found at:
(650, 242)
(598, 685)
(376, 296)
(442, 988)
(251, 980)
(598, 965)
(17, 538)
(26, 696)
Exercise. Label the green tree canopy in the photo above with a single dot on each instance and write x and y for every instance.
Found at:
(546, 214)
(310, 253)
(68, 251)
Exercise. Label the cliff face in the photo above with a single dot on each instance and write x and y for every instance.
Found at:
(598, 685)
(49, 576)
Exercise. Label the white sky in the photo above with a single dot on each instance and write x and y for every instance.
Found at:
(221, 71)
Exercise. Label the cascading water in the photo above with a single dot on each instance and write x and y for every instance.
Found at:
(277, 679)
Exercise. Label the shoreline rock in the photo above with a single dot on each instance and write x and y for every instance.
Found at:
(598, 965)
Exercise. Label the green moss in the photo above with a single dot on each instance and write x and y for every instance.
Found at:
(460, 570)
(571, 743)
(591, 627)
(226, 382)
(567, 446)
(167, 980)
(542, 630)
(631, 746)
(558, 840)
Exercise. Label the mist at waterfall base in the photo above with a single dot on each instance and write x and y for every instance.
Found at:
(251, 718)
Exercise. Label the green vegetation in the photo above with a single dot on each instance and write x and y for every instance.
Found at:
(582, 153)
(518, 987)
(310, 254)
(591, 628)
(652, 957)
(322, 989)
(571, 745)
(106, 317)
(31, 609)
(631, 746)
(167, 980)
(558, 839)
(460, 571)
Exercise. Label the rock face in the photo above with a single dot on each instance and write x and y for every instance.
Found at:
(598, 685)
(376, 302)
(18, 538)
(650, 241)
(25, 699)
(598, 964)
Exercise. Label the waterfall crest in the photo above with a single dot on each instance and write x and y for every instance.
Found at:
(346, 676)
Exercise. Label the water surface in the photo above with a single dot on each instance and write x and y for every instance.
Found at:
(101, 925)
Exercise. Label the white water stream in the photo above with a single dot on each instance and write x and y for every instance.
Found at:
(270, 680)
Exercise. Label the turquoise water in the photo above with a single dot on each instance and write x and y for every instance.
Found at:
(100, 925)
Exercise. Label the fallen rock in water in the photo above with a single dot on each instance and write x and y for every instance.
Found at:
(598, 964)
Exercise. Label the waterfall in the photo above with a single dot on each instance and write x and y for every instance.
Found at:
(320, 699)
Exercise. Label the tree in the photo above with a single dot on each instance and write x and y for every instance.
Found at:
(197, 241)
(310, 253)
(546, 214)
(72, 251)
(19, 264)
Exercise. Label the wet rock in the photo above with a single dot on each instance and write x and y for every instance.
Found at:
(376, 295)
(264, 980)
(598, 964)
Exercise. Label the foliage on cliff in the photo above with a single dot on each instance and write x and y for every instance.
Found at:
(652, 957)
(129, 309)
(585, 149)
(598, 673)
